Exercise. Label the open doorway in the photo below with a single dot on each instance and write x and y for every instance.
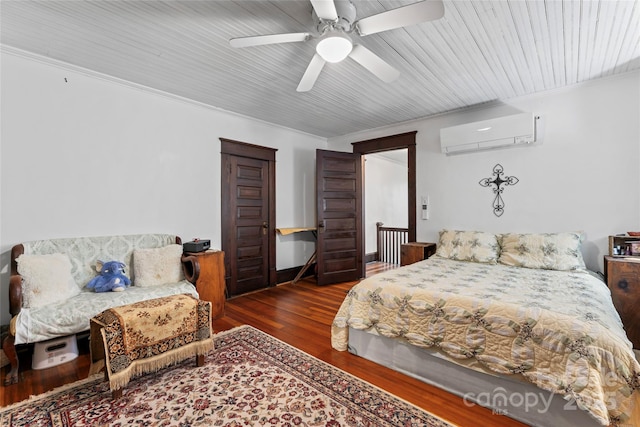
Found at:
(387, 144)
(386, 216)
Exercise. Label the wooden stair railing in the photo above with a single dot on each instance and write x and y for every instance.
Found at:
(390, 239)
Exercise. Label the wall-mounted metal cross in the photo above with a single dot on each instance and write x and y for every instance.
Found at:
(498, 181)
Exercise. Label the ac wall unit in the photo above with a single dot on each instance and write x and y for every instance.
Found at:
(501, 132)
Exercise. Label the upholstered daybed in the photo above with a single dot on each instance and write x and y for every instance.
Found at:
(48, 297)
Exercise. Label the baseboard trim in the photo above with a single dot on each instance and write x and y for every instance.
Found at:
(288, 274)
(371, 257)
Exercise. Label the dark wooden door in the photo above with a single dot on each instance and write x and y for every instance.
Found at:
(248, 222)
(339, 211)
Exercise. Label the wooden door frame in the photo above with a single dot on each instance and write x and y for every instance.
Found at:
(396, 142)
(230, 147)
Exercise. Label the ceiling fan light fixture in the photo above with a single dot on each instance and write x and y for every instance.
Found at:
(334, 46)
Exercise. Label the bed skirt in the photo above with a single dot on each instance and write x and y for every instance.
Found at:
(507, 396)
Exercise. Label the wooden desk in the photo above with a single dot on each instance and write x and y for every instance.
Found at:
(312, 258)
(292, 230)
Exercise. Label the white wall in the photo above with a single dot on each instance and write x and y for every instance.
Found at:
(90, 156)
(385, 196)
(585, 175)
(83, 155)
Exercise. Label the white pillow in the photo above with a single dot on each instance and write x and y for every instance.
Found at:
(548, 251)
(157, 266)
(46, 279)
(474, 246)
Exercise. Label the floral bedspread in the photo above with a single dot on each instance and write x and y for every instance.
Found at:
(558, 329)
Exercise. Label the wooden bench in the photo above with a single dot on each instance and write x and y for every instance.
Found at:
(147, 336)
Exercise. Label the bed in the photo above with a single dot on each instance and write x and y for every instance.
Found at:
(514, 322)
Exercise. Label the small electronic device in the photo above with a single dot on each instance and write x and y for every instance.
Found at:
(196, 245)
(425, 207)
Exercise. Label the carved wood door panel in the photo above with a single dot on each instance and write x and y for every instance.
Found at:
(339, 213)
(248, 221)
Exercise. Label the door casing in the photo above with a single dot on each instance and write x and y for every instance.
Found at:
(396, 142)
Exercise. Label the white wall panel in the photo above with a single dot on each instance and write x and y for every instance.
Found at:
(584, 174)
(84, 156)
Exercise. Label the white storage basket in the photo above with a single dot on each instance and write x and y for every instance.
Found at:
(54, 352)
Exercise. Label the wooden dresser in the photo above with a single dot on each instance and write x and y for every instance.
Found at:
(623, 279)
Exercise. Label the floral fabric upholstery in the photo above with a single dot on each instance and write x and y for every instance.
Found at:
(85, 251)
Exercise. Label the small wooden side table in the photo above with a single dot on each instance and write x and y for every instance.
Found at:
(416, 251)
(206, 271)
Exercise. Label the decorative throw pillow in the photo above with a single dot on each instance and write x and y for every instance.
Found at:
(475, 246)
(46, 279)
(157, 266)
(549, 251)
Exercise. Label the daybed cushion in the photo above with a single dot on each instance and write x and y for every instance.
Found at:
(46, 279)
(157, 266)
(548, 251)
(475, 246)
(72, 315)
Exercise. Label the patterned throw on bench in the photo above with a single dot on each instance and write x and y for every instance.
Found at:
(149, 335)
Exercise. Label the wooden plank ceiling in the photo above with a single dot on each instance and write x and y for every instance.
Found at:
(480, 51)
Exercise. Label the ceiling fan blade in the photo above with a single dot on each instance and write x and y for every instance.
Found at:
(415, 13)
(325, 9)
(374, 63)
(269, 39)
(311, 75)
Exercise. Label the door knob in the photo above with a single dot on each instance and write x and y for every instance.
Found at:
(264, 227)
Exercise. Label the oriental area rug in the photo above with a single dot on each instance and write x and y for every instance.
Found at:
(249, 379)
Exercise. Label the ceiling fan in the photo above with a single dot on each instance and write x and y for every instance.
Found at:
(335, 20)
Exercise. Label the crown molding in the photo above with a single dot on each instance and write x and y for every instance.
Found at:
(9, 50)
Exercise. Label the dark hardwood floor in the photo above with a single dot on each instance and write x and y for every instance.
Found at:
(299, 315)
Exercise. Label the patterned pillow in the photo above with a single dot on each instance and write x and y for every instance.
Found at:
(475, 246)
(549, 251)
